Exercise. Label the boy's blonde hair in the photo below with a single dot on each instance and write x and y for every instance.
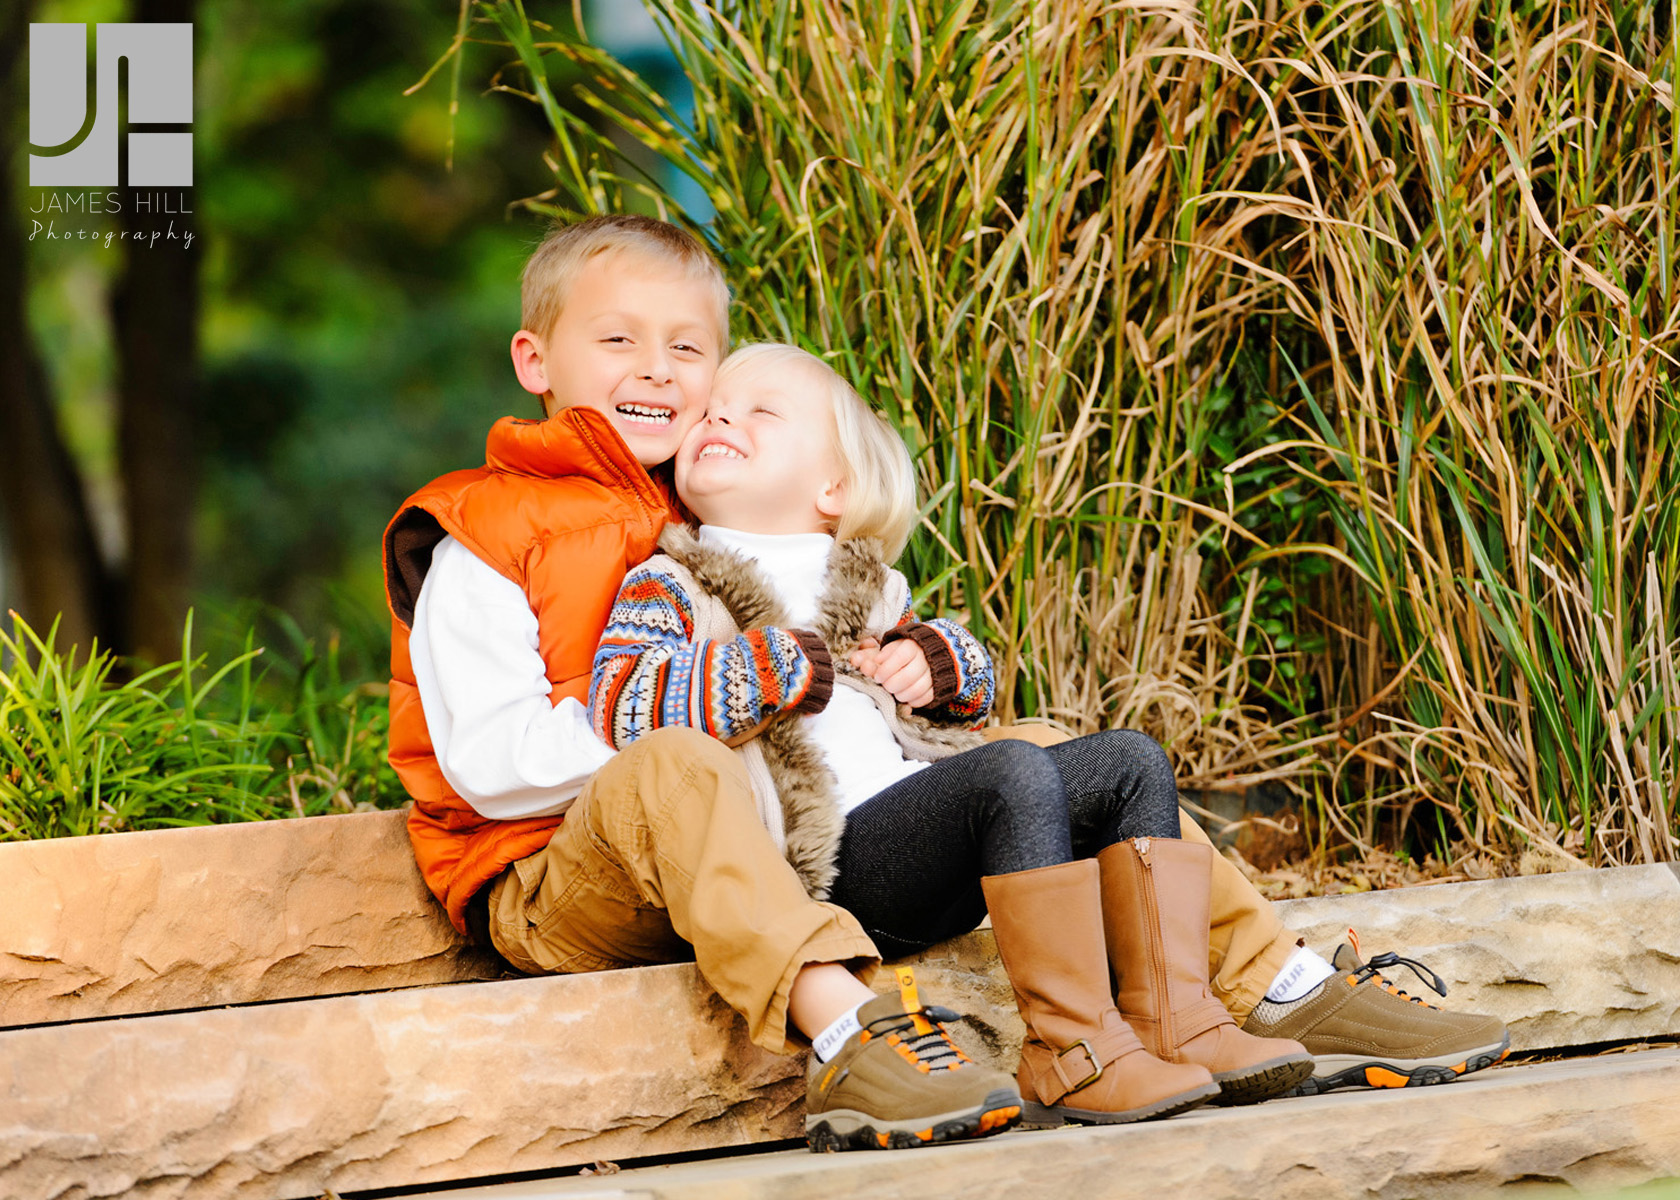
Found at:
(880, 478)
(554, 265)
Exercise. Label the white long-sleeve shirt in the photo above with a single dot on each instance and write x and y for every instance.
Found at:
(504, 747)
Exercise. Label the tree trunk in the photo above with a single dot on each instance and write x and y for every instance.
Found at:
(155, 311)
(56, 556)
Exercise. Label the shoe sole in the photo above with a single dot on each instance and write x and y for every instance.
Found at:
(1263, 1081)
(1053, 1116)
(1332, 1071)
(849, 1129)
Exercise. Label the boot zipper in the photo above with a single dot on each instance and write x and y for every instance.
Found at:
(1157, 955)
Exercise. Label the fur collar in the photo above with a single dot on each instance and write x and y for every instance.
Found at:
(853, 604)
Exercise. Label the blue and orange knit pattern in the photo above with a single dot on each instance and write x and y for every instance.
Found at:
(975, 682)
(650, 672)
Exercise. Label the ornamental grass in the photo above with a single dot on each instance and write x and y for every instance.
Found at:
(1292, 381)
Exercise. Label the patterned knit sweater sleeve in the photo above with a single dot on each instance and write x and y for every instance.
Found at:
(963, 683)
(651, 671)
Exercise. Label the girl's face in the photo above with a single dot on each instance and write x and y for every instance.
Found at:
(763, 459)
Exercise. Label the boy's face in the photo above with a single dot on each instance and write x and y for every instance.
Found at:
(763, 460)
(636, 340)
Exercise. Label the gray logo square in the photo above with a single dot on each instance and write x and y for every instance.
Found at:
(73, 132)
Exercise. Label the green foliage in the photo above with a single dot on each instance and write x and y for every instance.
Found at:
(84, 749)
(81, 753)
(357, 299)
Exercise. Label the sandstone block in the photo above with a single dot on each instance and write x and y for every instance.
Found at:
(354, 1092)
(223, 914)
(1589, 1124)
(190, 918)
(442, 1083)
(1564, 960)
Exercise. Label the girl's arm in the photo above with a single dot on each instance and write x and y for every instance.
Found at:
(650, 671)
(963, 683)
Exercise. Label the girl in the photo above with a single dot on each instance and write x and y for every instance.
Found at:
(780, 629)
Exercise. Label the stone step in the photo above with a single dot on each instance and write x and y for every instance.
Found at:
(372, 1091)
(1565, 960)
(1593, 1123)
(219, 914)
(443, 1083)
(236, 914)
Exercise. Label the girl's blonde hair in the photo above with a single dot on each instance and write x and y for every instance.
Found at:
(880, 479)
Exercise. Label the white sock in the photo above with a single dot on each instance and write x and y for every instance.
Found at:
(827, 1043)
(1304, 971)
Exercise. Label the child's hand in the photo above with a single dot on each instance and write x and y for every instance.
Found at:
(901, 668)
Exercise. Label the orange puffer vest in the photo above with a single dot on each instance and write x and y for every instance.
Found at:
(562, 508)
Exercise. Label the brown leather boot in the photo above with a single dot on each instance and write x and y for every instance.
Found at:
(1155, 916)
(1081, 1061)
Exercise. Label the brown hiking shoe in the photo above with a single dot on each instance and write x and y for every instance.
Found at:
(901, 1081)
(1363, 1031)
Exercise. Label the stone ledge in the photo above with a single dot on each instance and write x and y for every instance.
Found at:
(218, 914)
(1564, 960)
(1588, 1123)
(353, 1092)
(194, 918)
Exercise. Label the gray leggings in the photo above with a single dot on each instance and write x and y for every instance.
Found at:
(913, 854)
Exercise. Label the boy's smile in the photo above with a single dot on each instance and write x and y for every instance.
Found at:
(636, 340)
(646, 414)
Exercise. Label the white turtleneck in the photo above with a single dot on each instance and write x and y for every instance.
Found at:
(853, 738)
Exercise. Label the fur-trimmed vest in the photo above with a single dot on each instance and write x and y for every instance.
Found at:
(795, 790)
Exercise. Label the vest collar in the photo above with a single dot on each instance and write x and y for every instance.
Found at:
(576, 441)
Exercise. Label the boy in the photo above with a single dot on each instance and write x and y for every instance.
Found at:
(528, 830)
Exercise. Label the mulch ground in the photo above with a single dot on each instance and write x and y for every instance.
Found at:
(1278, 862)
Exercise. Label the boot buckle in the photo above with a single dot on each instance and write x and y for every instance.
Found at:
(1090, 1054)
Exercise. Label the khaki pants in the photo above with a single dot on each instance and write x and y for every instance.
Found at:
(662, 859)
(1247, 944)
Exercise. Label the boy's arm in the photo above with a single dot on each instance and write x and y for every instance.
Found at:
(501, 742)
(650, 671)
(963, 682)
